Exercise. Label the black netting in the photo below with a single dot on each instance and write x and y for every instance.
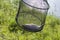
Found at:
(32, 14)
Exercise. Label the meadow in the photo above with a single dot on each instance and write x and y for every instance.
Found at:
(9, 30)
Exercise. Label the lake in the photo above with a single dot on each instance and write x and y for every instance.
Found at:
(54, 7)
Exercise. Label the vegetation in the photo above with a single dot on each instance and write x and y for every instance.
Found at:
(9, 30)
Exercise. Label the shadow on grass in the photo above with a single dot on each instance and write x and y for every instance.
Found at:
(13, 27)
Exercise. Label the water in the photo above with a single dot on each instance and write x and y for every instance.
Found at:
(54, 7)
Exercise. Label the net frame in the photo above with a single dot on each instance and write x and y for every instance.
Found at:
(32, 14)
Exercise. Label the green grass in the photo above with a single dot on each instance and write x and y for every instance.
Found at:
(9, 30)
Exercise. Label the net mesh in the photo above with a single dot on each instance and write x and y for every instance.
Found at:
(32, 12)
(37, 3)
